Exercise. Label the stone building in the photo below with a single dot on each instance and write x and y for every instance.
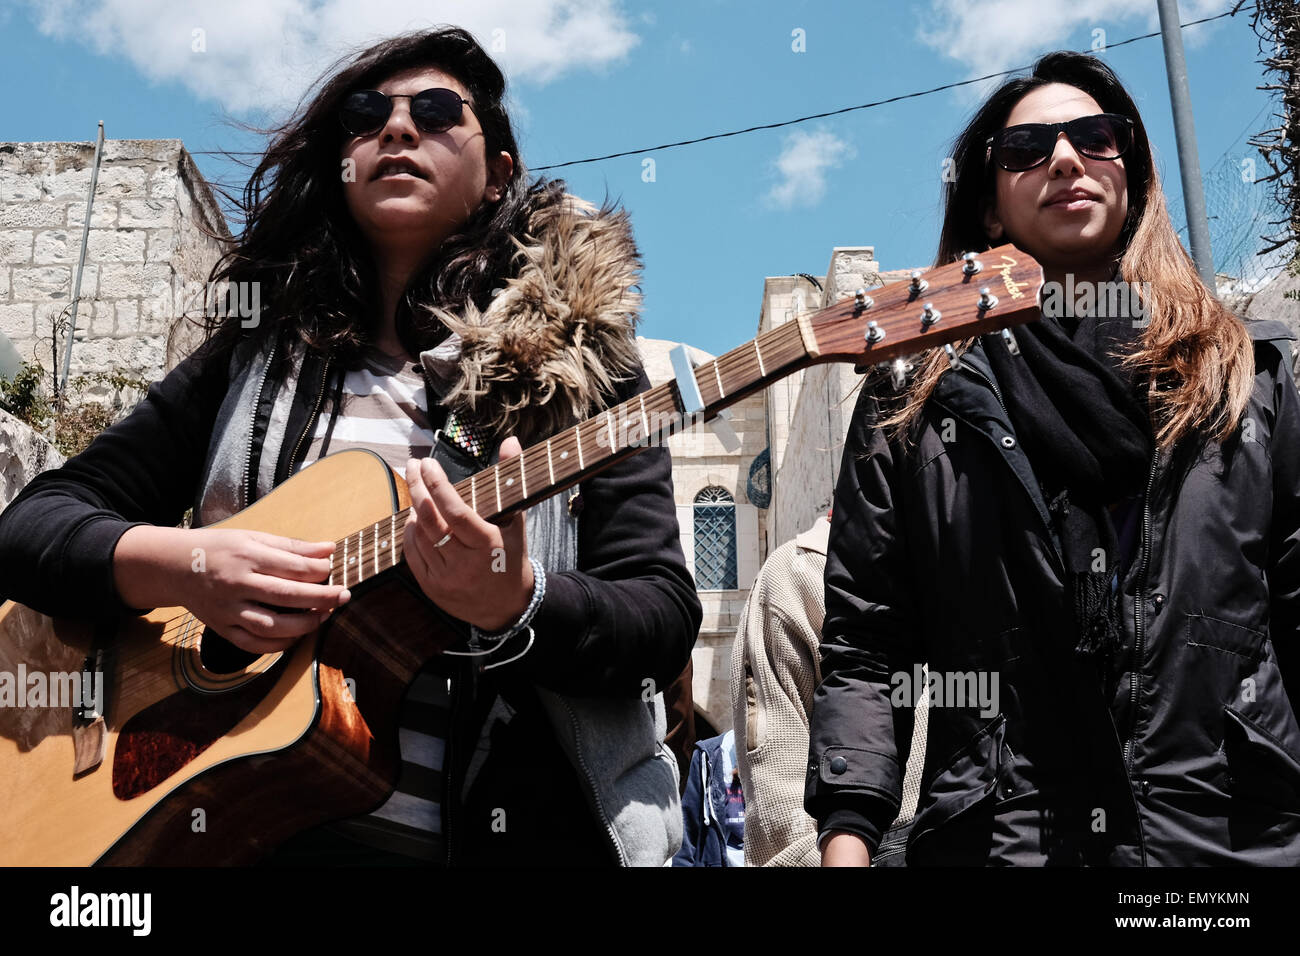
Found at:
(149, 251)
(791, 441)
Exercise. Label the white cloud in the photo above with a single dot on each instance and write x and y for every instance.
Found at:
(805, 159)
(263, 54)
(993, 35)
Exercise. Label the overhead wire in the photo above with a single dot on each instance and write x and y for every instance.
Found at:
(812, 116)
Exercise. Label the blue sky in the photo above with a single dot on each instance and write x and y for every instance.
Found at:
(591, 77)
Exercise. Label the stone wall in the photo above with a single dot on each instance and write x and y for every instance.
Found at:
(23, 455)
(809, 411)
(699, 461)
(819, 422)
(148, 244)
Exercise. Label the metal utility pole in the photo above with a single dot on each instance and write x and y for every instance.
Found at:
(81, 259)
(1189, 163)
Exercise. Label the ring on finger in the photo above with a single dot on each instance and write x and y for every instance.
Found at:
(443, 540)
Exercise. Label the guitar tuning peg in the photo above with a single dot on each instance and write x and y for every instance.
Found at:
(971, 265)
(987, 299)
(874, 333)
(953, 361)
(1012, 345)
(862, 301)
(930, 315)
(918, 285)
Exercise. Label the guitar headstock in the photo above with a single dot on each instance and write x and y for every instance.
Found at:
(981, 293)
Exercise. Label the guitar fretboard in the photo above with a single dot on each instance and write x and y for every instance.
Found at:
(566, 458)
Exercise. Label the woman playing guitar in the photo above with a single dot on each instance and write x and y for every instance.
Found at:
(423, 300)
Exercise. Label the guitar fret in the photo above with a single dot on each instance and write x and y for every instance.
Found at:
(577, 432)
(645, 421)
(550, 465)
(360, 557)
(759, 355)
(717, 375)
(345, 561)
(496, 481)
(523, 476)
(374, 540)
(609, 422)
(473, 492)
(392, 536)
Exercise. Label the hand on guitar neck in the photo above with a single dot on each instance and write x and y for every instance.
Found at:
(232, 580)
(473, 569)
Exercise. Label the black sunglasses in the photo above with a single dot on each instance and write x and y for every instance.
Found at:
(434, 111)
(1103, 136)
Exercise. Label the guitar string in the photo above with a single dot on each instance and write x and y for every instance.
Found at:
(738, 360)
(729, 364)
(741, 360)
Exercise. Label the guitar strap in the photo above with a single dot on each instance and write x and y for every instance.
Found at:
(461, 448)
(459, 463)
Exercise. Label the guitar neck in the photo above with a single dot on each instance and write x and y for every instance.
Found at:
(570, 456)
(894, 325)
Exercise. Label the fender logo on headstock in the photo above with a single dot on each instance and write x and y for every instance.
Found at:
(1013, 287)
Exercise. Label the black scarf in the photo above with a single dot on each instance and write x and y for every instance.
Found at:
(1083, 423)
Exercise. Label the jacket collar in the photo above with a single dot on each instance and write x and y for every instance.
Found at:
(558, 337)
(971, 392)
(816, 538)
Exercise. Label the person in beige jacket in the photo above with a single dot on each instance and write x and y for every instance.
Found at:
(775, 667)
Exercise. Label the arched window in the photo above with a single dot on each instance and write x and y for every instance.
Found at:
(715, 540)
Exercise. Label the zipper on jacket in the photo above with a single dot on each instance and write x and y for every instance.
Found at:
(591, 782)
(992, 384)
(252, 426)
(1139, 613)
(311, 419)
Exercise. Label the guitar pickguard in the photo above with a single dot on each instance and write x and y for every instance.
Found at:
(163, 738)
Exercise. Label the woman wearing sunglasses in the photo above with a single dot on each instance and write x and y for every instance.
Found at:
(1094, 541)
(425, 301)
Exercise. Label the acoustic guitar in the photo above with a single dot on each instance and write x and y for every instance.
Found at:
(152, 741)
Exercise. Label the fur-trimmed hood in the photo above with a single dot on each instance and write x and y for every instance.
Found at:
(554, 342)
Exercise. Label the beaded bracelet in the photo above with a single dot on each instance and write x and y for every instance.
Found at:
(539, 592)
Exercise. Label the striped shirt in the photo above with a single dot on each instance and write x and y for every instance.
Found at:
(384, 410)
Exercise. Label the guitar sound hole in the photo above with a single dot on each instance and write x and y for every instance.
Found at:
(219, 656)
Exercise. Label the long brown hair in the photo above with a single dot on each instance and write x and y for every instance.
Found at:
(1194, 346)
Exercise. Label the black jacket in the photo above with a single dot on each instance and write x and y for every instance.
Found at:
(1186, 752)
(627, 614)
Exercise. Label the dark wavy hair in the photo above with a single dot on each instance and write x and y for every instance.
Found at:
(1192, 341)
(317, 283)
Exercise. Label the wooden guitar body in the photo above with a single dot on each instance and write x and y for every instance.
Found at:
(186, 774)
